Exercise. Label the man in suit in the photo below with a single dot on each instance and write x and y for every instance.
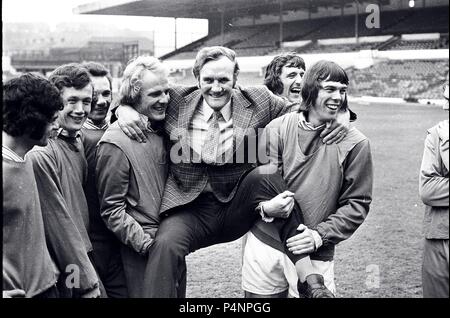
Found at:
(213, 192)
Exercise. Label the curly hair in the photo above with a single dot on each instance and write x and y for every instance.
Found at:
(129, 93)
(30, 102)
(97, 69)
(274, 70)
(213, 53)
(321, 71)
(70, 75)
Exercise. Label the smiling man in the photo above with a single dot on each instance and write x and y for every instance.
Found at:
(284, 76)
(131, 175)
(60, 169)
(102, 83)
(331, 183)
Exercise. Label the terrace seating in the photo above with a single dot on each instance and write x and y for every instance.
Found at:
(404, 79)
(419, 44)
(337, 48)
(421, 20)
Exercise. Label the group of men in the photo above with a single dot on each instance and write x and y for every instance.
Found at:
(111, 208)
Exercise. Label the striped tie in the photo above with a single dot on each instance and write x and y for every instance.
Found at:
(209, 150)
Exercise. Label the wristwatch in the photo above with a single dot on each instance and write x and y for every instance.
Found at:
(264, 216)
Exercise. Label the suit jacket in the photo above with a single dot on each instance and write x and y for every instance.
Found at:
(252, 108)
(434, 184)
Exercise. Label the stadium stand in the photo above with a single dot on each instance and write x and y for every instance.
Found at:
(416, 45)
(264, 39)
(336, 48)
(252, 29)
(412, 21)
(395, 78)
(402, 30)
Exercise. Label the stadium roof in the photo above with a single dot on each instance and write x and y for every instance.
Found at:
(203, 9)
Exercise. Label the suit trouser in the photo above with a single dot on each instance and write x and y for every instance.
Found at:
(108, 263)
(134, 266)
(205, 222)
(435, 278)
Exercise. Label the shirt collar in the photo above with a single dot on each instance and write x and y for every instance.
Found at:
(207, 111)
(8, 153)
(89, 124)
(303, 123)
(65, 133)
(442, 130)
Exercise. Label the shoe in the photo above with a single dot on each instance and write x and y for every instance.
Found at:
(313, 287)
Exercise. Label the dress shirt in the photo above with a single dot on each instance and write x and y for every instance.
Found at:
(199, 125)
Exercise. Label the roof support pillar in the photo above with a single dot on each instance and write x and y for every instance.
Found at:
(176, 33)
(222, 26)
(281, 24)
(309, 10)
(356, 21)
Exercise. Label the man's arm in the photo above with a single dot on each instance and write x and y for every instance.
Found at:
(270, 150)
(270, 146)
(64, 241)
(355, 199)
(133, 124)
(336, 130)
(433, 186)
(113, 189)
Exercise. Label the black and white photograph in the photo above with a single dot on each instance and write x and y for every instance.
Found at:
(238, 150)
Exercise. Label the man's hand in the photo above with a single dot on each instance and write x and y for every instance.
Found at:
(93, 293)
(280, 206)
(133, 124)
(336, 130)
(15, 293)
(302, 243)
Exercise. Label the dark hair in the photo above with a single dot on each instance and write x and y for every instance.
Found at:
(213, 53)
(30, 102)
(97, 69)
(321, 71)
(274, 70)
(70, 75)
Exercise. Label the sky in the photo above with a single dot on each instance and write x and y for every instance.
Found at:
(56, 11)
